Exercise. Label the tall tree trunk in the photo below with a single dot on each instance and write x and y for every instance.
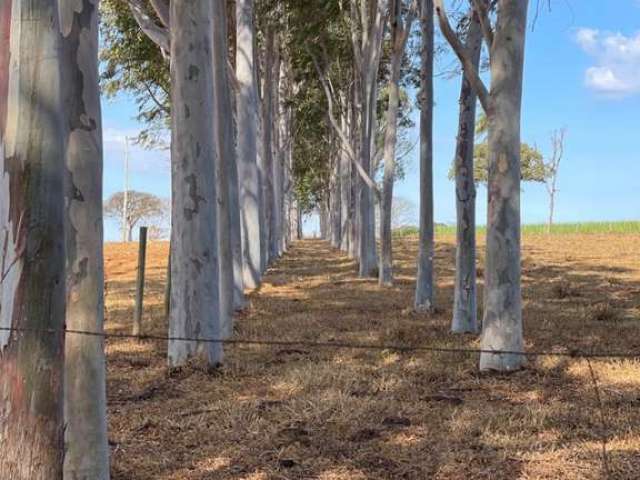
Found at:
(247, 108)
(276, 164)
(267, 139)
(424, 301)
(345, 181)
(87, 450)
(399, 35)
(195, 300)
(230, 255)
(334, 196)
(465, 316)
(502, 324)
(32, 286)
(373, 15)
(354, 205)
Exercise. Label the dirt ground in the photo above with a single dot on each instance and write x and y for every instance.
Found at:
(304, 413)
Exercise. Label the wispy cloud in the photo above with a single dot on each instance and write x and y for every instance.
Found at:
(616, 69)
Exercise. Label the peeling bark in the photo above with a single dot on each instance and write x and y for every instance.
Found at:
(465, 315)
(195, 298)
(502, 323)
(87, 450)
(31, 244)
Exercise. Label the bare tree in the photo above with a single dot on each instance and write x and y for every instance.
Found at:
(142, 207)
(87, 450)
(32, 250)
(551, 167)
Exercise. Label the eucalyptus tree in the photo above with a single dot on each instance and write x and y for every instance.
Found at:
(465, 315)
(400, 30)
(502, 322)
(231, 284)
(194, 262)
(87, 450)
(424, 294)
(247, 149)
(368, 20)
(183, 32)
(32, 277)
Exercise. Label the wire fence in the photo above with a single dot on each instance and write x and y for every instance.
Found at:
(572, 353)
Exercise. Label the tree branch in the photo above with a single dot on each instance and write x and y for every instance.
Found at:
(482, 11)
(343, 138)
(161, 7)
(157, 34)
(461, 52)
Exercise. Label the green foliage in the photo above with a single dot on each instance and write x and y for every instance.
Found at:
(133, 64)
(532, 164)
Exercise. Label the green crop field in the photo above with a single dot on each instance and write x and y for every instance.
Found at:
(631, 226)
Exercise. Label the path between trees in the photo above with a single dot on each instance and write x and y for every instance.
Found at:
(276, 412)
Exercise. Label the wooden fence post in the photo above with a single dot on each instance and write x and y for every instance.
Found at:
(142, 254)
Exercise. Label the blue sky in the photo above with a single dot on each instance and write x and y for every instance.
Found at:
(582, 72)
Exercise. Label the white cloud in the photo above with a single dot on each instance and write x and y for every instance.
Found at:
(617, 61)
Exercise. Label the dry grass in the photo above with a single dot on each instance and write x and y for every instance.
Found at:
(299, 413)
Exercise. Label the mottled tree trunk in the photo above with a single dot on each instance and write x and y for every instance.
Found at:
(231, 287)
(399, 35)
(247, 108)
(502, 324)
(267, 140)
(87, 450)
(424, 300)
(465, 316)
(32, 253)
(276, 164)
(195, 300)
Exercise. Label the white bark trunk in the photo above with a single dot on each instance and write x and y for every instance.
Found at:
(276, 163)
(267, 141)
(502, 324)
(247, 108)
(87, 450)
(195, 300)
(231, 287)
(465, 316)
(345, 182)
(399, 35)
(32, 249)
(424, 300)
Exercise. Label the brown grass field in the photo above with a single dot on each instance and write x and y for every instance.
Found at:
(303, 413)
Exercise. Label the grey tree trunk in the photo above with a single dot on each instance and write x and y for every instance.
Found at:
(354, 205)
(247, 111)
(276, 164)
(345, 183)
(368, 48)
(231, 287)
(267, 140)
(195, 298)
(465, 315)
(32, 251)
(502, 324)
(335, 199)
(87, 450)
(424, 300)
(399, 35)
